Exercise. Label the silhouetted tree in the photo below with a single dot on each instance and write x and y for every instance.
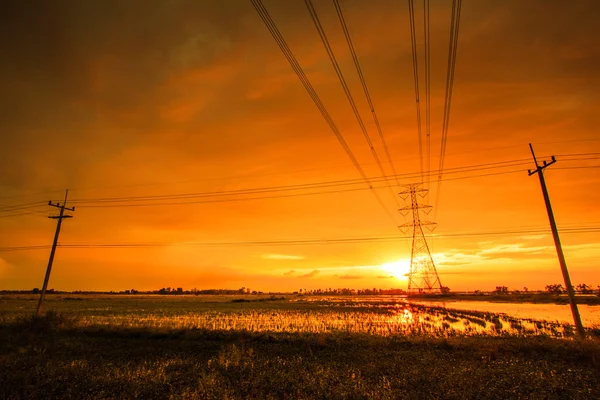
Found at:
(501, 290)
(556, 288)
(584, 289)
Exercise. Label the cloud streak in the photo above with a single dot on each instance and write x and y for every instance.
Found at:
(349, 276)
(282, 257)
(311, 274)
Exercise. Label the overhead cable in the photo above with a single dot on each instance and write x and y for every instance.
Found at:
(413, 39)
(318, 241)
(452, 47)
(270, 24)
(363, 83)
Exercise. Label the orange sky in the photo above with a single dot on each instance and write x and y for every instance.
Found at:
(136, 98)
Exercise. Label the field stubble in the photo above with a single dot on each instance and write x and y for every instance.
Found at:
(169, 347)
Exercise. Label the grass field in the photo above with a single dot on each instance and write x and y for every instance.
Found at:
(233, 347)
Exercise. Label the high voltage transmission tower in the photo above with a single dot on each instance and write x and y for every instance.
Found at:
(423, 276)
(59, 219)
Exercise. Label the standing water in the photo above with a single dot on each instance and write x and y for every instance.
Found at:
(590, 315)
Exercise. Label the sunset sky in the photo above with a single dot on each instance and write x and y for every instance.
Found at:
(119, 99)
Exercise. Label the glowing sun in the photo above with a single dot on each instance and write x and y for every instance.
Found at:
(398, 269)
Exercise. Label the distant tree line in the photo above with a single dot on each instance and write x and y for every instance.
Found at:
(348, 291)
(242, 290)
(557, 288)
(165, 290)
(582, 288)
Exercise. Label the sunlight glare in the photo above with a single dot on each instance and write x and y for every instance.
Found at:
(398, 269)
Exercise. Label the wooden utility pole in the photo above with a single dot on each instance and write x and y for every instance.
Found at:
(59, 219)
(561, 257)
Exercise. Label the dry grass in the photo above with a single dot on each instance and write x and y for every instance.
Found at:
(170, 347)
(49, 358)
(265, 314)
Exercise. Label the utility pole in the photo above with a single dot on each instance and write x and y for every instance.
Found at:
(59, 219)
(539, 169)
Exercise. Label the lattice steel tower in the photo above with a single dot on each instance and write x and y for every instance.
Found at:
(423, 276)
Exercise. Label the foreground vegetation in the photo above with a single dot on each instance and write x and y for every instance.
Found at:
(48, 358)
(378, 315)
(103, 346)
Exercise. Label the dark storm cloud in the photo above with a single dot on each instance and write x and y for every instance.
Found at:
(80, 78)
(63, 47)
(83, 80)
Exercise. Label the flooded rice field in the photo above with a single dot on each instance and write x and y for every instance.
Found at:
(560, 313)
(383, 316)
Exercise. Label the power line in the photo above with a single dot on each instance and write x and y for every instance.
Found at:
(36, 213)
(340, 75)
(427, 40)
(577, 154)
(286, 172)
(413, 38)
(184, 198)
(30, 194)
(20, 207)
(208, 197)
(94, 202)
(521, 170)
(315, 185)
(23, 248)
(103, 202)
(453, 45)
(364, 83)
(310, 241)
(582, 167)
(270, 24)
(466, 168)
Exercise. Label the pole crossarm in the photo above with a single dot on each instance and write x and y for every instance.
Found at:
(57, 205)
(540, 168)
(416, 190)
(411, 224)
(417, 206)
